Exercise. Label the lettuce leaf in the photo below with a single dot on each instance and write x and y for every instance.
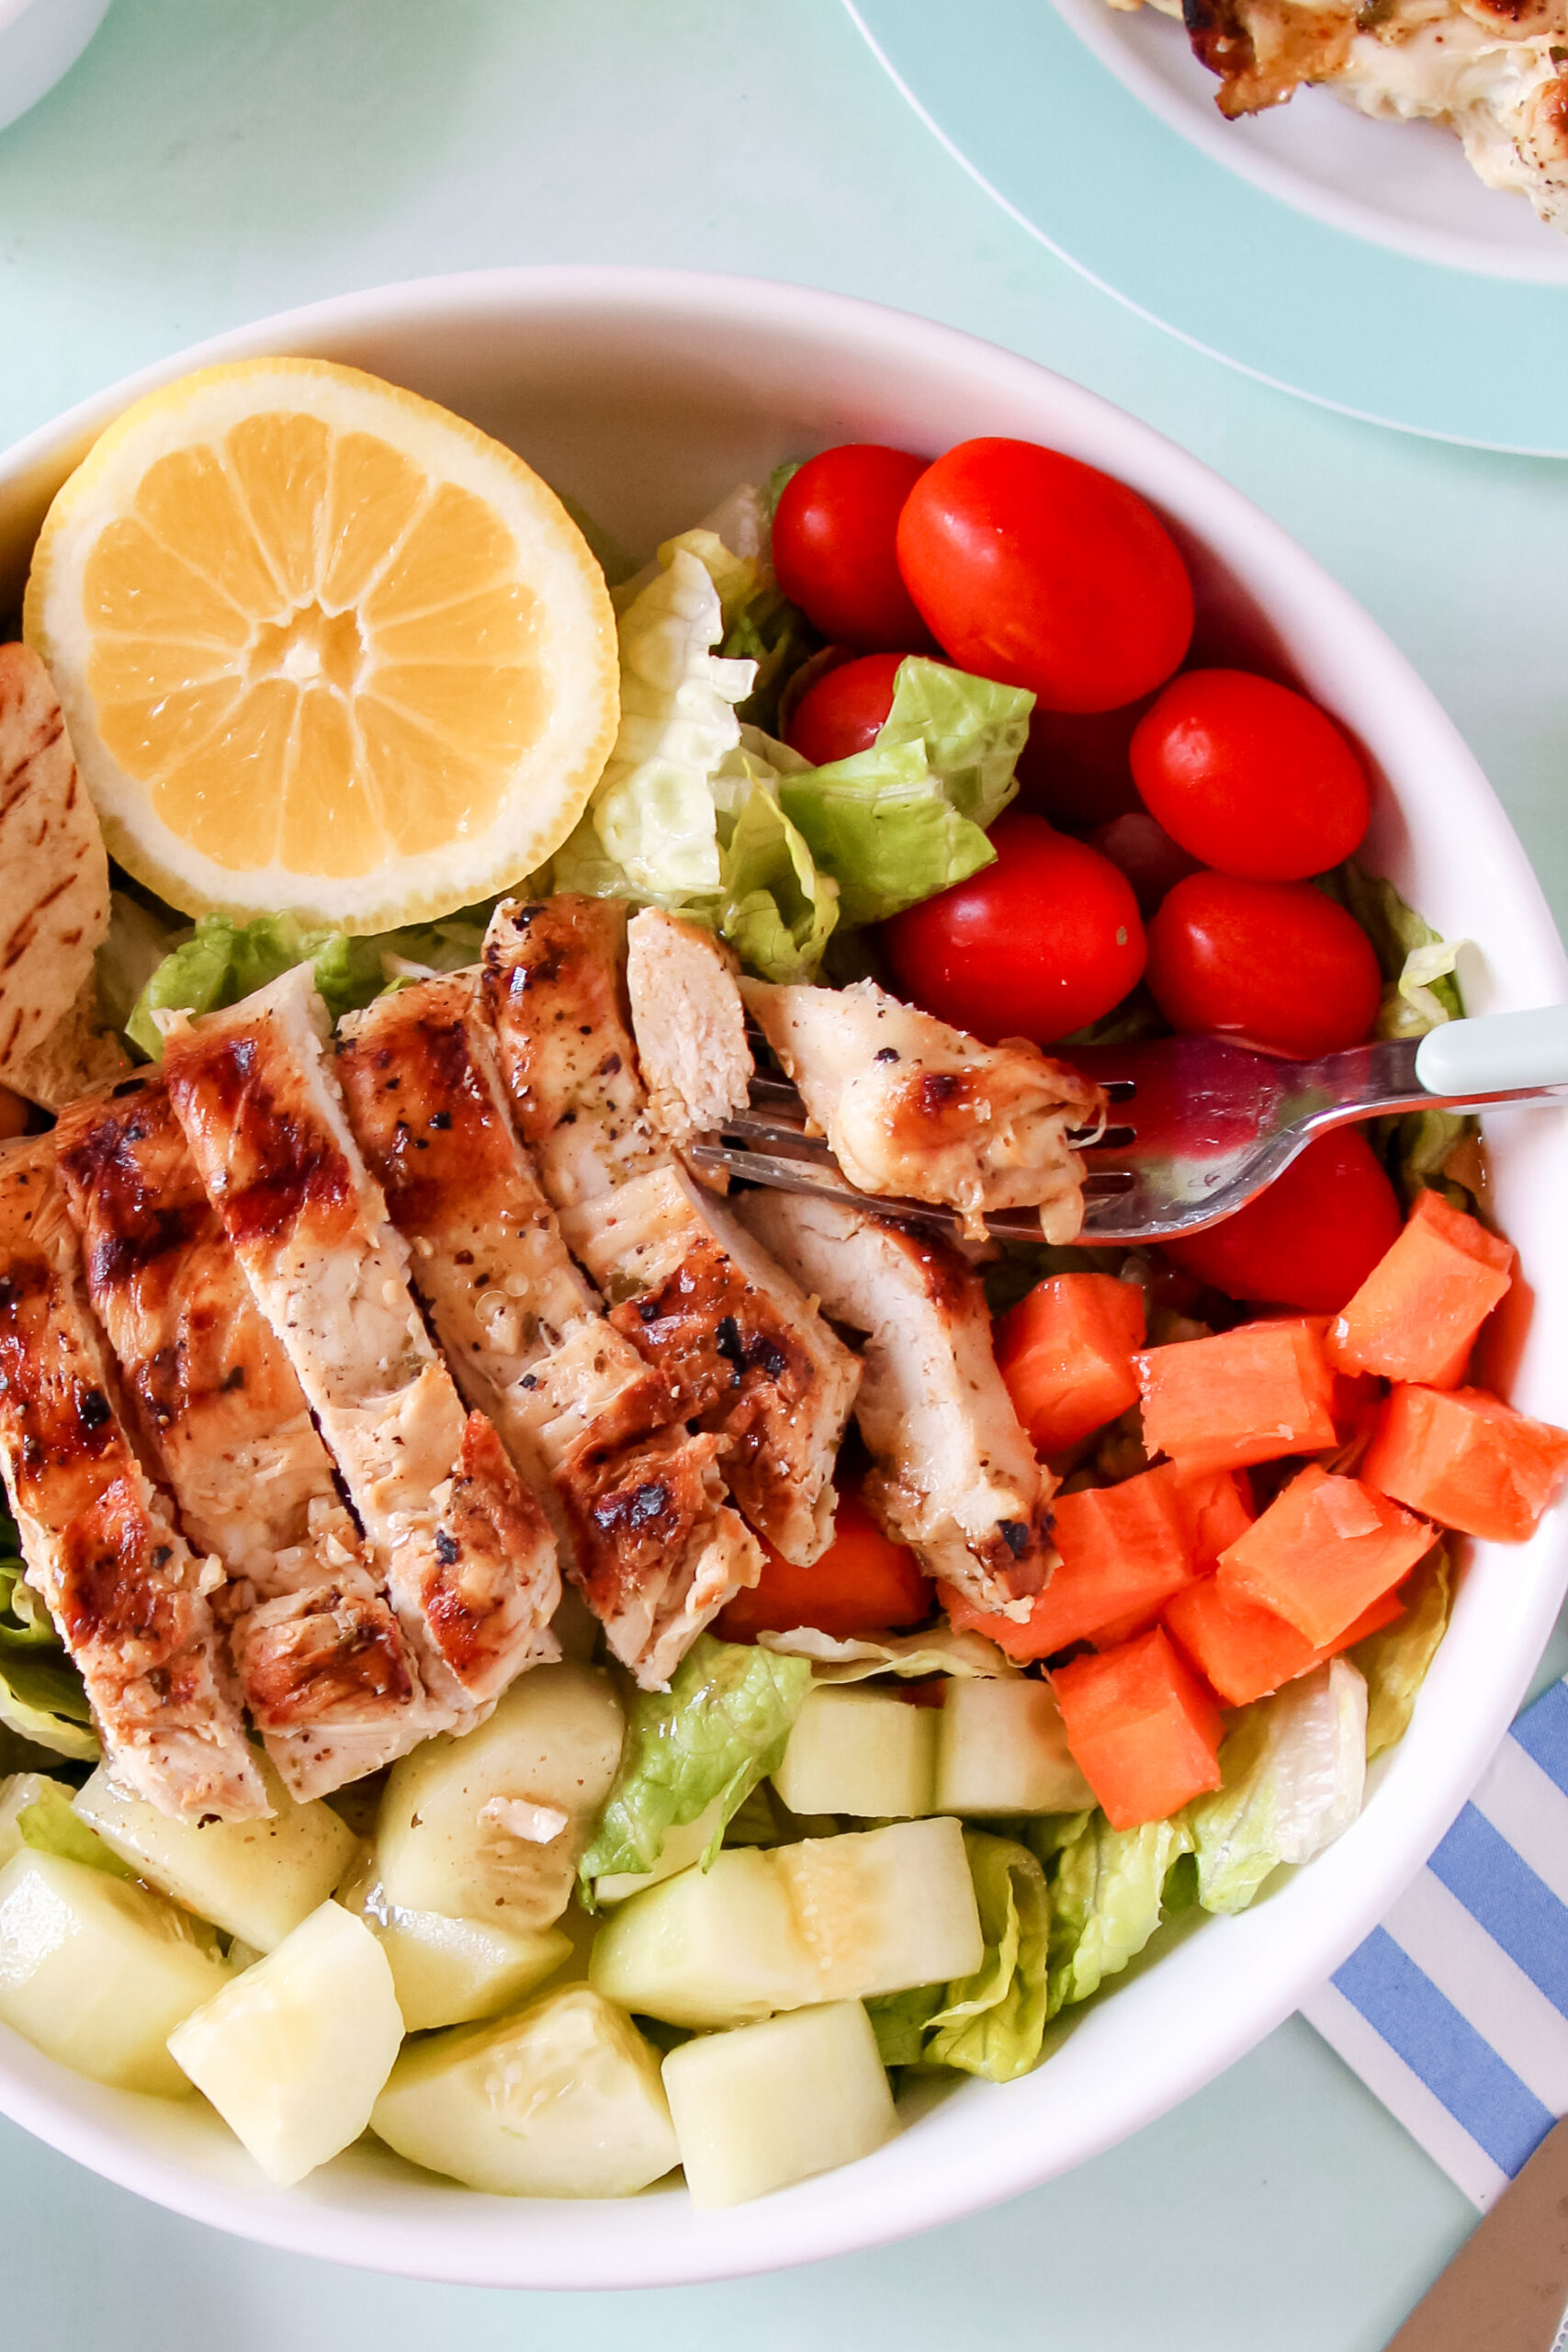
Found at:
(1295, 1769)
(42, 1701)
(883, 825)
(1395, 1662)
(223, 961)
(779, 909)
(719, 1729)
(900, 2022)
(49, 1825)
(972, 731)
(1106, 1902)
(940, 1650)
(993, 2023)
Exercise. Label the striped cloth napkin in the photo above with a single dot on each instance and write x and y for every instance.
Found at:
(1455, 2011)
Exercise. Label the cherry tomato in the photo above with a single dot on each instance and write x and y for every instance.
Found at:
(1250, 777)
(841, 713)
(863, 1583)
(1311, 1238)
(1274, 964)
(1076, 769)
(1033, 569)
(1036, 946)
(1146, 853)
(834, 546)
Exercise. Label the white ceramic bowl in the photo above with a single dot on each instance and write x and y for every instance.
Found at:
(647, 395)
(40, 41)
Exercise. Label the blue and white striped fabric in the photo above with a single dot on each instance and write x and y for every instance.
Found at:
(1455, 2011)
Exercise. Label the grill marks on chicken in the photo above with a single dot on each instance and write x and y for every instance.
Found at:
(638, 1499)
(955, 1476)
(466, 1553)
(751, 1360)
(129, 1596)
(912, 1108)
(325, 1668)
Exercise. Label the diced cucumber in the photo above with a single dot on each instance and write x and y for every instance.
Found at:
(861, 1752)
(99, 1973)
(257, 1879)
(448, 1971)
(17, 1793)
(562, 2100)
(768, 2104)
(293, 2053)
(881, 1910)
(448, 1836)
(684, 1842)
(1001, 1749)
(832, 1918)
(716, 1947)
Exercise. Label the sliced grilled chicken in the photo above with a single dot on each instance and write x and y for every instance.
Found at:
(466, 1551)
(912, 1107)
(689, 1024)
(129, 1599)
(325, 1670)
(955, 1476)
(654, 1548)
(752, 1359)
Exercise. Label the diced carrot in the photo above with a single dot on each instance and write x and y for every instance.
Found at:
(1066, 1353)
(1323, 1552)
(1246, 1651)
(1123, 1550)
(1467, 1459)
(1252, 1394)
(1141, 1728)
(863, 1583)
(1215, 1508)
(1416, 1315)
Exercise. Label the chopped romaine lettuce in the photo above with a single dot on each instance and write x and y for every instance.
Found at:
(41, 1699)
(1295, 1769)
(49, 1825)
(1106, 1901)
(138, 941)
(971, 729)
(993, 2023)
(939, 1651)
(719, 1729)
(1395, 1662)
(778, 909)
(883, 825)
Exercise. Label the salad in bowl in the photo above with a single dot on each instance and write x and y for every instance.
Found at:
(527, 1660)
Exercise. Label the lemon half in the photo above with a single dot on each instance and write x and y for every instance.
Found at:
(322, 645)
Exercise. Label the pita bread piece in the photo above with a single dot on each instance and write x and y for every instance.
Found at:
(54, 875)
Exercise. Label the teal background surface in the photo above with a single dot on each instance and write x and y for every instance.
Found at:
(209, 161)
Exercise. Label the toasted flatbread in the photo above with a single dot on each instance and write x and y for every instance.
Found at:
(54, 875)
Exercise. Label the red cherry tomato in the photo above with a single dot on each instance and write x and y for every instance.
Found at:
(1146, 853)
(834, 545)
(1250, 777)
(1036, 946)
(1274, 964)
(1311, 1238)
(1076, 769)
(842, 712)
(863, 1583)
(1033, 569)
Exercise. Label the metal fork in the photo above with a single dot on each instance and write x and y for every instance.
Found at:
(1200, 1126)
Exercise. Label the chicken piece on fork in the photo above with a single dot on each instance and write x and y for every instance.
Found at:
(466, 1551)
(129, 1599)
(640, 1507)
(325, 1668)
(752, 1359)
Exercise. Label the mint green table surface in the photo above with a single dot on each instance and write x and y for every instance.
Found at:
(209, 161)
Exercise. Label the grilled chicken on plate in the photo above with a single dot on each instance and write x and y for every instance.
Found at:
(638, 1501)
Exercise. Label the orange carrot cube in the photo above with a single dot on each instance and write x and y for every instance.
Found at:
(1416, 1315)
(1123, 1550)
(1252, 1394)
(1323, 1552)
(1066, 1353)
(1141, 1728)
(1246, 1651)
(1467, 1459)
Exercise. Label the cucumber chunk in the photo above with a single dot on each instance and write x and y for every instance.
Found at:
(768, 2104)
(448, 1971)
(866, 1753)
(832, 1918)
(562, 2100)
(257, 1879)
(98, 1972)
(684, 1842)
(447, 1839)
(293, 2053)
(1001, 1749)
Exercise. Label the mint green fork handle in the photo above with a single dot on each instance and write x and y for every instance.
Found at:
(1496, 1054)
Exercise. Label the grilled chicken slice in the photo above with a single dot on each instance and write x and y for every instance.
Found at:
(689, 1024)
(638, 1501)
(752, 1362)
(465, 1552)
(325, 1668)
(129, 1599)
(912, 1108)
(955, 1476)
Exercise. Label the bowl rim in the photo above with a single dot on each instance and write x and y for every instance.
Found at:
(357, 2212)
